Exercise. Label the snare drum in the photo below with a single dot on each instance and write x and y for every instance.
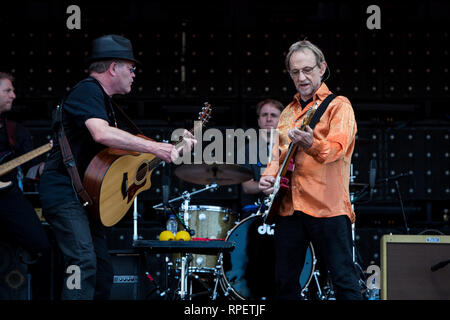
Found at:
(208, 222)
(249, 270)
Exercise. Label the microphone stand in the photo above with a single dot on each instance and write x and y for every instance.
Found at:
(397, 186)
(186, 197)
(135, 221)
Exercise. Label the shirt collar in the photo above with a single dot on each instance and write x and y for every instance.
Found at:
(320, 94)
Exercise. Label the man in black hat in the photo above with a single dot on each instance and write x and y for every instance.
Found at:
(89, 123)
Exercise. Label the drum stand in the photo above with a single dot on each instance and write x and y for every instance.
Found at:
(185, 260)
(217, 276)
(185, 282)
(184, 291)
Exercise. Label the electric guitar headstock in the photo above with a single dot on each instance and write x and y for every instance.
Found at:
(205, 114)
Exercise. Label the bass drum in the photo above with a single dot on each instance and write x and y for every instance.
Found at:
(249, 270)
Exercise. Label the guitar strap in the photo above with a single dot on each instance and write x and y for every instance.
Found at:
(321, 109)
(124, 116)
(66, 152)
(68, 158)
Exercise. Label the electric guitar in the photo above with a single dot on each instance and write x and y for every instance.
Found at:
(281, 187)
(14, 163)
(115, 177)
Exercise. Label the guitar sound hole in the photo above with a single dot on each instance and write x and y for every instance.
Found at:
(141, 172)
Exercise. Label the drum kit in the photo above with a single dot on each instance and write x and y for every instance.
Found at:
(233, 259)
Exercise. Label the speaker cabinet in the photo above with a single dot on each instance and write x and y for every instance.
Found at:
(413, 267)
(14, 276)
(137, 276)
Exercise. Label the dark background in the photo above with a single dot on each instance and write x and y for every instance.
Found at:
(231, 54)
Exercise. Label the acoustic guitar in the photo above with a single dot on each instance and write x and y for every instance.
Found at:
(14, 163)
(281, 186)
(115, 177)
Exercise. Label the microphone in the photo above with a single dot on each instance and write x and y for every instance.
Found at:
(372, 175)
(396, 177)
(440, 265)
(165, 194)
(165, 188)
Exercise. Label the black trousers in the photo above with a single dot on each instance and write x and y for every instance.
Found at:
(83, 243)
(332, 242)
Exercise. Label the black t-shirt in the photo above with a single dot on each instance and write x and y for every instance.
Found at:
(256, 168)
(85, 101)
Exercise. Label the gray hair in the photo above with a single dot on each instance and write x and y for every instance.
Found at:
(100, 66)
(302, 46)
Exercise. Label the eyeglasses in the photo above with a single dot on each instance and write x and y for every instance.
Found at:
(131, 69)
(306, 71)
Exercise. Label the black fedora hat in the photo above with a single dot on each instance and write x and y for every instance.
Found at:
(112, 47)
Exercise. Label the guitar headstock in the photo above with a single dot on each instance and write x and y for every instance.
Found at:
(205, 114)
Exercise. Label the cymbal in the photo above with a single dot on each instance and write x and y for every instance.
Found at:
(355, 187)
(222, 174)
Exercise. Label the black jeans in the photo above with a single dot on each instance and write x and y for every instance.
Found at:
(332, 242)
(83, 244)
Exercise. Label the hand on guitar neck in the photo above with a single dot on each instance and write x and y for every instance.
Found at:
(185, 144)
(303, 138)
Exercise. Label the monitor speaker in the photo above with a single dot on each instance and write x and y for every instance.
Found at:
(138, 276)
(415, 267)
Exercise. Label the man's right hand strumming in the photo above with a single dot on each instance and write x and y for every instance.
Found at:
(266, 184)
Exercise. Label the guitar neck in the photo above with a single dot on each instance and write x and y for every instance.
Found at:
(12, 164)
(293, 147)
(156, 161)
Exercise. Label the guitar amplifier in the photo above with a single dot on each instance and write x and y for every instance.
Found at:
(14, 276)
(138, 276)
(415, 267)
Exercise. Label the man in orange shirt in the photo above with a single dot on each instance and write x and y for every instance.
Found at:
(318, 207)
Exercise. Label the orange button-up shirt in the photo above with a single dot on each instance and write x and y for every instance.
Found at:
(320, 181)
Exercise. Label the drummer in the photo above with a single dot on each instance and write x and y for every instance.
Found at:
(268, 112)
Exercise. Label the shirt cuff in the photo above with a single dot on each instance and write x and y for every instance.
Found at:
(315, 148)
